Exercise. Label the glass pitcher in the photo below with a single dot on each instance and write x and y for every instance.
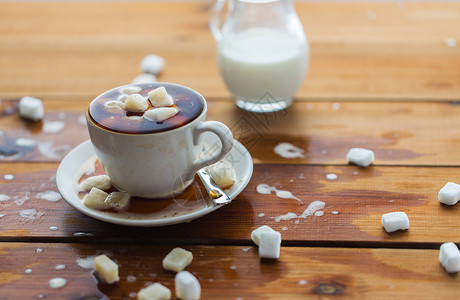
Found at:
(262, 51)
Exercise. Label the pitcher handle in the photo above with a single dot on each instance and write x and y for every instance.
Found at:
(216, 18)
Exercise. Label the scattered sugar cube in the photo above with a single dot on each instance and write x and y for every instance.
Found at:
(177, 260)
(136, 103)
(31, 108)
(255, 235)
(160, 114)
(395, 221)
(154, 291)
(449, 257)
(144, 78)
(270, 244)
(118, 200)
(360, 156)
(95, 199)
(152, 63)
(101, 182)
(187, 286)
(159, 97)
(449, 194)
(107, 269)
(222, 173)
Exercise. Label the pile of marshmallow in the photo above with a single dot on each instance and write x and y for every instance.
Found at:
(130, 101)
(187, 286)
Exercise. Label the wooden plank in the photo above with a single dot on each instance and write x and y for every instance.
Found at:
(353, 205)
(358, 50)
(230, 272)
(399, 133)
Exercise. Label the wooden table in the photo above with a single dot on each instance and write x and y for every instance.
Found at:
(383, 76)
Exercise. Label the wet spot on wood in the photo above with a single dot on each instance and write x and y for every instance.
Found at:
(332, 288)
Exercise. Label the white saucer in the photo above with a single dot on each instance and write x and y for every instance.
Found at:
(83, 153)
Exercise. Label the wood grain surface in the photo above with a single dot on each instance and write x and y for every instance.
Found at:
(383, 76)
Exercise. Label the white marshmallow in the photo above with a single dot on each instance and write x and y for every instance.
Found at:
(152, 63)
(395, 221)
(144, 78)
(31, 108)
(449, 257)
(177, 260)
(96, 199)
(118, 200)
(160, 114)
(101, 182)
(255, 234)
(360, 156)
(136, 103)
(154, 291)
(115, 104)
(133, 89)
(222, 173)
(449, 194)
(107, 269)
(270, 244)
(187, 286)
(159, 97)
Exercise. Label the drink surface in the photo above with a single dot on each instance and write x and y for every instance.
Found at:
(111, 117)
(259, 61)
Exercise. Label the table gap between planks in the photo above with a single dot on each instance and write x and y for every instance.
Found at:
(382, 76)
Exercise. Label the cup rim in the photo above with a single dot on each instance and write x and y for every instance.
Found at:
(90, 120)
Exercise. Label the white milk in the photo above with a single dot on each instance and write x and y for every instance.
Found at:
(258, 60)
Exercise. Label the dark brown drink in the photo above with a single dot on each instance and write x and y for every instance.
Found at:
(189, 103)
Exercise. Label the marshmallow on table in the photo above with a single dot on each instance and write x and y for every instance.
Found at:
(449, 194)
(395, 221)
(222, 173)
(177, 260)
(255, 235)
(159, 97)
(187, 286)
(152, 63)
(449, 257)
(96, 199)
(31, 108)
(270, 244)
(107, 269)
(101, 182)
(360, 156)
(136, 103)
(154, 291)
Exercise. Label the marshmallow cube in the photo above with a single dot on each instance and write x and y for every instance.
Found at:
(270, 244)
(129, 90)
(222, 173)
(118, 200)
(255, 235)
(144, 78)
(449, 194)
(154, 291)
(360, 156)
(395, 221)
(101, 182)
(160, 114)
(107, 269)
(177, 260)
(31, 108)
(159, 97)
(96, 199)
(187, 286)
(449, 257)
(136, 103)
(152, 63)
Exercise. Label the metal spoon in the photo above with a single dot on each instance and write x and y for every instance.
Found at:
(217, 195)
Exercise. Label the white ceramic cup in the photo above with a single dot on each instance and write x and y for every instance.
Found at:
(162, 164)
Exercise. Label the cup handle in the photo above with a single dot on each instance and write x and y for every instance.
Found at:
(215, 19)
(226, 139)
